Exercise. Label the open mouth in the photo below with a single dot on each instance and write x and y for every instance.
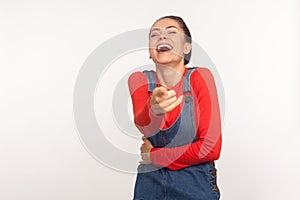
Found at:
(164, 48)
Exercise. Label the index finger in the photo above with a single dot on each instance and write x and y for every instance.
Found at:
(160, 91)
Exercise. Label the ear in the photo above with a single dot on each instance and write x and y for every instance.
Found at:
(187, 48)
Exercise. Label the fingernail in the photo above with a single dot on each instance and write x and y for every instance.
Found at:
(173, 92)
(180, 98)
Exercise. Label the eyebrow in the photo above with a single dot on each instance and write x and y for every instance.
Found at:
(157, 29)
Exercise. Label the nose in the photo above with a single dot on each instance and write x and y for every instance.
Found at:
(163, 35)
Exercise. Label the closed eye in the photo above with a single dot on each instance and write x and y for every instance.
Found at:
(153, 35)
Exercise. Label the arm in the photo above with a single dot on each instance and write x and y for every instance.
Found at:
(208, 144)
(145, 120)
(149, 111)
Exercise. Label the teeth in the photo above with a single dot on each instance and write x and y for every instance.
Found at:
(164, 47)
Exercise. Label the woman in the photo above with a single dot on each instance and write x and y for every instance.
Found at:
(176, 108)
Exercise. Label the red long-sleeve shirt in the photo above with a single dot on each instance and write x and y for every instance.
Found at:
(207, 120)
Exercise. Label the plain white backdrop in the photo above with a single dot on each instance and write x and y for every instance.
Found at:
(254, 44)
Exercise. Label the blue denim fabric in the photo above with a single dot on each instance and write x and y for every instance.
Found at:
(197, 182)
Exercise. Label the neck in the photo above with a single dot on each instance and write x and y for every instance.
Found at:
(169, 76)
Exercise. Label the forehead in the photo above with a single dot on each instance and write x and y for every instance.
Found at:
(164, 23)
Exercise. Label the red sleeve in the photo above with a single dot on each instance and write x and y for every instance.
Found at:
(145, 120)
(208, 144)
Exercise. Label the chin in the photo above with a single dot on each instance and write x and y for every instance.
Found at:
(166, 59)
(164, 62)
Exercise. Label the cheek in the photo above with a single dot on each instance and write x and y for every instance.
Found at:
(152, 44)
(152, 50)
(152, 54)
(179, 44)
(179, 49)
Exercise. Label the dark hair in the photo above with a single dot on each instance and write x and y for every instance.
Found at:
(186, 31)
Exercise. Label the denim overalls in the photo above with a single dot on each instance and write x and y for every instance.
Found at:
(197, 182)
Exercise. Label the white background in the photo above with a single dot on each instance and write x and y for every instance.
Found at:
(254, 44)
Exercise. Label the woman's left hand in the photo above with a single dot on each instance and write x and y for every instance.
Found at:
(145, 151)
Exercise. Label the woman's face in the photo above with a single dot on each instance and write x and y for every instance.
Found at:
(167, 42)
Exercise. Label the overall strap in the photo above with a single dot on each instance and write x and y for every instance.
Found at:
(151, 80)
(187, 82)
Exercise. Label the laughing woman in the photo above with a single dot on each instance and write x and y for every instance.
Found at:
(176, 109)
